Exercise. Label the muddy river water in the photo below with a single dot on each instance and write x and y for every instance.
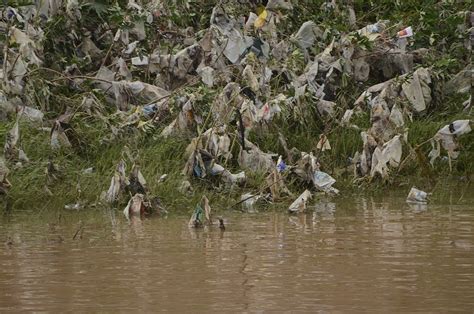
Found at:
(348, 254)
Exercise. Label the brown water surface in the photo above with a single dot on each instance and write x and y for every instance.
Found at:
(349, 254)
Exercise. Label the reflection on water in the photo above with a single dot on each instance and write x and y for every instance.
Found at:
(377, 254)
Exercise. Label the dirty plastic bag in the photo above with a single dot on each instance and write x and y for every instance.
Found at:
(389, 154)
(299, 205)
(324, 182)
(307, 34)
(417, 90)
(306, 166)
(417, 196)
(201, 215)
(31, 114)
(323, 143)
(248, 201)
(4, 171)
(447, 137)
(12, 137)
(254, 159)
(118, 183)
(135, 207)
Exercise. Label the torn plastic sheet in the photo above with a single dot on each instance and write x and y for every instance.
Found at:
(276, 184)
(4, 171)
(22, 156)
(279, 4)
(396, 117)
(207, 75)
(89, 48)
(146, 92)
(250, 78)
(11, 141)
(447, 137)
(123, 69)
(232, 42)
(226, 103)
(417, 89)
(136, 181)
(461, 82)
(27, 45)
(380, 116)
(140, 60)
(118, 183)
(185, 121)
(58, 136)
(268, 111)
(135, 207)
(365, 158)
(372, 31)
(417, 196)
(299, 205)
(323, 143)
(30, 114)
(202, 164)
(254, 159)
(326, 108)
(307, 34)
(215, 140)
(201, 215)
(389, 154)
(306, 166)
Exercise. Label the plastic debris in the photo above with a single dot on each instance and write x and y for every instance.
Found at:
(406, 32)
(135, 207)
(4, 171)
(447, 137)
(248, 201)
(74, 206)
(324, 182)
(201, 215)
(226, 83)
(299, 205)
(281, 166)
(323, 143)
(10, 149)
(417, 196)
(389, 154)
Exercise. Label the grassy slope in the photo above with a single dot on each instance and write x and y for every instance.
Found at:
(158, 156)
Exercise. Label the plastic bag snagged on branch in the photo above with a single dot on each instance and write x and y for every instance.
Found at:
(447, 136)
(201, 164)
(389, 154)
(118, 184)
(186, 119)
(254, 159)
(214, 140)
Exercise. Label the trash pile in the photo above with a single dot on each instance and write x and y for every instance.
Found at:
(222, 88)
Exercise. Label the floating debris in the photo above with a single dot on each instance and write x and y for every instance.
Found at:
(417, 196)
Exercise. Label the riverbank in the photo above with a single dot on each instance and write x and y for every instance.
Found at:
(151, 99)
